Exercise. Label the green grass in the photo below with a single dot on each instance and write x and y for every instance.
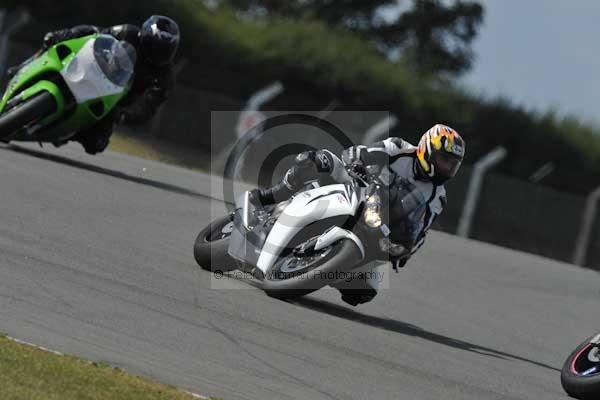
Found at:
(29, 373)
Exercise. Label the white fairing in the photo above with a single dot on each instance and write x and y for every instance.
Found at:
(85, 78)
(335, 234)
(307, 207)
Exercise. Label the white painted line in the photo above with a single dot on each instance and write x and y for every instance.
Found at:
(34, 345)
(196, 395)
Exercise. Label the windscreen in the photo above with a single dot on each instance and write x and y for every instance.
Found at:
(116, 59)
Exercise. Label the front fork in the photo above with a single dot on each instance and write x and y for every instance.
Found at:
(51, 88)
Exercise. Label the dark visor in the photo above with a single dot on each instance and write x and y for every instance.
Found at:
(446, 164)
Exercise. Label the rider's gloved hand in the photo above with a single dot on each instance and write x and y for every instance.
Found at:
(50, 39)
(358, 168)
(55, 37)
(352, 154)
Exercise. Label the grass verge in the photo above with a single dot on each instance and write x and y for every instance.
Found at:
(29, 373)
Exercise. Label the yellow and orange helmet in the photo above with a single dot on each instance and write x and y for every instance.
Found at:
(440, 153)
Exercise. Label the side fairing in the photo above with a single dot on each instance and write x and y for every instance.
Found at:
(306, 208)
(51, 61)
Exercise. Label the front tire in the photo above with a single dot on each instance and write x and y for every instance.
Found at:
(576, 378)
(338, 258)
(210, 248)
(32, 110)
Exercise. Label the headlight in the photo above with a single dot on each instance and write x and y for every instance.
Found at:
(393, 249)
(373, 211)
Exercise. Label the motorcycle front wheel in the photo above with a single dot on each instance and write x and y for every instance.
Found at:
(210, 247)
(28, 112)
(298, 275)
(580, 376)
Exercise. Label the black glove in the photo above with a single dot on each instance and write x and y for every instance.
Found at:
(50, 39)
(55, 37)
(358, 168)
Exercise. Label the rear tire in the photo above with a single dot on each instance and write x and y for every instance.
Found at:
(32, 110)
(343, 256)
(576, 385)
(210, 248)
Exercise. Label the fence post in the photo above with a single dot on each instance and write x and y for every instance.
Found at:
(380, 130)
(479, 170)
(251, 116)
(587, 223)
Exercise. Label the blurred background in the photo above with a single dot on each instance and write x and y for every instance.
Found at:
(516, 74)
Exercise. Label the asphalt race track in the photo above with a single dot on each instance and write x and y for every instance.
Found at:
(96, 260)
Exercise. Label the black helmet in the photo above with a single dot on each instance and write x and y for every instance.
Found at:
(159, 39)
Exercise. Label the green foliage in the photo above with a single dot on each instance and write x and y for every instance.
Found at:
(330, 63)
(436, 37)
(432, 36)
(328, 59)
(91, 12)
(234, 54)
(334, 63)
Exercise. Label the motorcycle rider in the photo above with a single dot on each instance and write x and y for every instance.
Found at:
(156, 43)
(426, 167)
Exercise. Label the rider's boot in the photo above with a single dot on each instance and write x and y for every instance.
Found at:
(355, 297)
(273, 195)
(95, 139)
(308, 166)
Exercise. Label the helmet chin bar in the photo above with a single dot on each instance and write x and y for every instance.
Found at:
(420, 173)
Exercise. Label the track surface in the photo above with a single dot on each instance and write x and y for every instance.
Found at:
(96, 260)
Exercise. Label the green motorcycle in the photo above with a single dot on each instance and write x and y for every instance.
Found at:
(67, 88)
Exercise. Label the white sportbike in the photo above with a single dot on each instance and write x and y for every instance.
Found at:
(335, 235)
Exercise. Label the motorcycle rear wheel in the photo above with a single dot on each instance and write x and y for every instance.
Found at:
(28, 112)
(580, 376)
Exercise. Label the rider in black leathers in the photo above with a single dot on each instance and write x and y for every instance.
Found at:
(425, 167)
(156, 43)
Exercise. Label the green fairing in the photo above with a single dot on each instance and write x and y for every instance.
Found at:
(47, 62)
(27, 83)
(81, 118)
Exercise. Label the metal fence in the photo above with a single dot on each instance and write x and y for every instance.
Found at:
(512, 213)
